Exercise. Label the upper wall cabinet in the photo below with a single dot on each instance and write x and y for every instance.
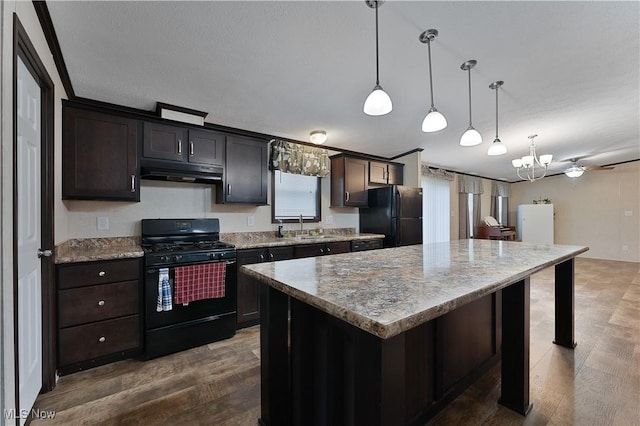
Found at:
(246, 173)
(349, 181)
(99, 156)
(386, 173)
(180, 144)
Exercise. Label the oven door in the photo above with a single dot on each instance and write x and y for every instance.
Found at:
(193, 311)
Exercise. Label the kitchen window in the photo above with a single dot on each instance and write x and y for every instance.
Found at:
(295, 195)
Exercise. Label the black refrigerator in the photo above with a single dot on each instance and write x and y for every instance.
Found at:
(396, 212)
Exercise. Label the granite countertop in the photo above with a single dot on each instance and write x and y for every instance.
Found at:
(248, 240)
(388, 291)
(91, 249)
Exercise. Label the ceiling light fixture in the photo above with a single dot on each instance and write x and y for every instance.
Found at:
(574, 171)
(497, 147)
(318, 137)
(471, 136)
(528, 162)
(434, 120)
(378, 102)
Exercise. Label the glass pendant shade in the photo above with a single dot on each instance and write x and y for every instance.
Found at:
(545, 159)
(497, 148)
(378, 102)
(574, 171)
(471, 137)
(516, 163)
(434, 121)
(527, 160)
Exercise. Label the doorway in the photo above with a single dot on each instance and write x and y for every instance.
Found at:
(33, 223)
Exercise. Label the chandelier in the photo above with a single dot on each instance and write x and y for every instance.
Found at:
(530, 162)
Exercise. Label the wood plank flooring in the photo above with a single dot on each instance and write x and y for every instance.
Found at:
(598, 383)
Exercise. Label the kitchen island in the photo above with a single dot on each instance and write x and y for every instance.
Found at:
(371, 338)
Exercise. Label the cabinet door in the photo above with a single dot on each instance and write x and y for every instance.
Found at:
(356, 182)
(164, 142)
(99, 156)
(279, 253)
(248, 309)
(338, 247)
(206, 147)
(309, 250)
(395, 174)
(245, 172)
(377, 172)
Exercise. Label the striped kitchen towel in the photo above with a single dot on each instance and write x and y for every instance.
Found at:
(164, 291)
(197, 282)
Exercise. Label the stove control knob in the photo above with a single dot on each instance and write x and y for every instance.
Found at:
(178, 257)
(213, 256)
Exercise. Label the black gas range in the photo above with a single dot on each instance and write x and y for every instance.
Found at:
(175, 243)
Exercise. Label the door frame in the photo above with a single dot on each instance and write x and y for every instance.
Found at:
(24, 49)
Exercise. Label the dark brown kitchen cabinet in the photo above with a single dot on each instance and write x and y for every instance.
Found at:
(99, 306)
(313, 250)
(248, 309)
(99, 156)
(349, 181)
(182, 144)
(386, 173)
(246, 173)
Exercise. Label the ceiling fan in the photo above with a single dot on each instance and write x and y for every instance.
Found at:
(576, 171)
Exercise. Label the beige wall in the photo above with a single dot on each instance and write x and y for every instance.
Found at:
(590, 210)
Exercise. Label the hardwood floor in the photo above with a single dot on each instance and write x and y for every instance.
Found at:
(598, 383)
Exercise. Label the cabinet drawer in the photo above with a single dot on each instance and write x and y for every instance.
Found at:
(91, 273)
(90, 341)
(96, 303)
(310, 250)
(366, 245)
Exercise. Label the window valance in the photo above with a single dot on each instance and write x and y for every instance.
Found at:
(470, 185)
(502, 189)
(437, 173)
(289, 157)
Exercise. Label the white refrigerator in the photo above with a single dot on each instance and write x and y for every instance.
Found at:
(535, 223)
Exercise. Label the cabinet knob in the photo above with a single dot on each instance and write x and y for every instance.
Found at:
(271, 255)
(101, 303)
(102, 339)
(321, 250)
(102, 273)
(261, 257)
(328, 250)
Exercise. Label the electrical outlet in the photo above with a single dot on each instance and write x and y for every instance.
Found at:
(102, 223)
(249, 220)
(628, 213)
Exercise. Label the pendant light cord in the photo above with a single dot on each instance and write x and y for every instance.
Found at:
(469, 96)
(377, 62)
(430, 74)
(497, 87)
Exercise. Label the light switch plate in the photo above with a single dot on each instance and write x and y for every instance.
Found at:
(628, 213)
(103, 223)
(249, 220)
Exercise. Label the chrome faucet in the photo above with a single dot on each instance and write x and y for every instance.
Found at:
(301, 223)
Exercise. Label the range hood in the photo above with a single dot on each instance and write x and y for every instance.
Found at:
(178, 172)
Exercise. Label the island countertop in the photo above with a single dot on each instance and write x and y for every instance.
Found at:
(386, 292)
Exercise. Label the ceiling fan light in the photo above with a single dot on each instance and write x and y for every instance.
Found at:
(378, 102)
(434, 121)
(471, 137)
(574, 171)
(497, 148)
(517, 163)
(545, 159)
(318, 137)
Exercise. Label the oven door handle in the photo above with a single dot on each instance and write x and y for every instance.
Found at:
(154, 270)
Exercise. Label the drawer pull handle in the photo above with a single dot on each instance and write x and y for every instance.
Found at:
(102, 273)
(102, 339)
(101, 303)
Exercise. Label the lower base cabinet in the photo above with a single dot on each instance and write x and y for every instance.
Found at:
(99, 306)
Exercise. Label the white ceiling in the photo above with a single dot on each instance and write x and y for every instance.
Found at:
(571, 71)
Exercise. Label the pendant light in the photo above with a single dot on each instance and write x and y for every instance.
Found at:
(471, 136)
(497, 147)
(434, 120)
(378, 102)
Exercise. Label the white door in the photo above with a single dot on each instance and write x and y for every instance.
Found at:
(29, 270)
